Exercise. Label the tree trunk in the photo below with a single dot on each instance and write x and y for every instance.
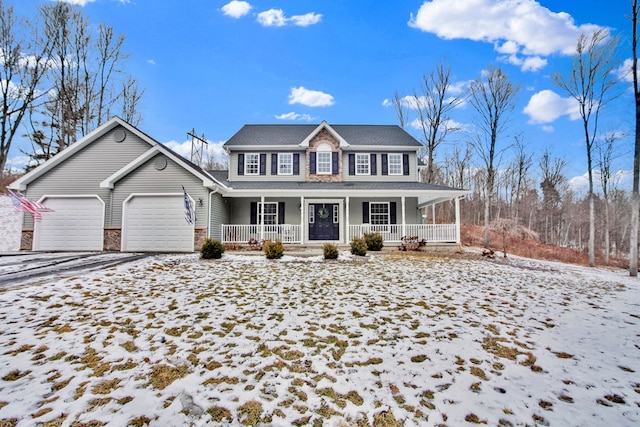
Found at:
(633, 240)
(592, 231)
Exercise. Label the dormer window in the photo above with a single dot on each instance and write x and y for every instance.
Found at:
(323, 160)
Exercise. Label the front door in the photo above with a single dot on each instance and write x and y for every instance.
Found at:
(324, 221)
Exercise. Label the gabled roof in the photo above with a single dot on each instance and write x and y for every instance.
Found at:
(296, 135)
(155, 147)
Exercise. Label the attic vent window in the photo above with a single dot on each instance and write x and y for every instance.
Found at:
(160, 163)
(119, 135)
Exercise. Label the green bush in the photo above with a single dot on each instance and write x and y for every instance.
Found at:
(273, 250)
(330, 251)
(374, 241)
(359, 246)
(211, 249)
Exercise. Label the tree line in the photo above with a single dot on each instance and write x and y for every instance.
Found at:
(512, 196)
(60, 78)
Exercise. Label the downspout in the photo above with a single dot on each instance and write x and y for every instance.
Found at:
(404, 222)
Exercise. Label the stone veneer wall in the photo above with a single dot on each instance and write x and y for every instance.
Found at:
(112, 239)
(26, 240)
(200, 235)
(324, 137)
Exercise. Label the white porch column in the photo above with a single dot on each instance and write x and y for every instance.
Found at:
(458, 220)
(261, 215)
(404, 222)
(301, 219)
(346, 222)
(433, 213)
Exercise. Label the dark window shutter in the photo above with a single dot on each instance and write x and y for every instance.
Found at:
(296, 163)
(373, 165)
(280, 212)
(405, 164)
(240, 164)
(385, 164)
(392, 213)
(274, 164)
(334, 163)
(365, 212)
(352, 164)
(312, 163)
(263, 164)
(253, 213)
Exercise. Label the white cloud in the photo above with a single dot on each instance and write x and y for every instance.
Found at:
(151, 62)
(277, 18)
(516, 28)
(236, 9)
(547, 106)
(310, 98)
(79, 2)
(624, 72)
(548, 128)
(306, 19)
(272, 18)
(295, 116)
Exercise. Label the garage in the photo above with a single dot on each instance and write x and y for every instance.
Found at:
(76, 224)
(156, 223)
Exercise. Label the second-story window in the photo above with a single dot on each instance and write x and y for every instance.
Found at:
(252, 164)
(323, 160)
(395, 164)
(285, 164)
(362, 164)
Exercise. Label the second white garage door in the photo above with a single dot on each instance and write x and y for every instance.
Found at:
(76, 224)
(156, 223)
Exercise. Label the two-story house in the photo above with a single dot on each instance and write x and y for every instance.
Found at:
(119, 189)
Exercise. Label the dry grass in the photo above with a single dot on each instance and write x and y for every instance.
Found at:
(162, 375)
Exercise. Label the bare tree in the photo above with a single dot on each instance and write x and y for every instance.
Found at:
(604, 160)
(23, 64)
(400, 106)
(86, 81)
(433, 106)
(590, 83)
(521, 166)
(492, 96)
(552, 171)
(635, 194)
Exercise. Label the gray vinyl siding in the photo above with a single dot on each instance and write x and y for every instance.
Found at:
(412, 214)
(233, 167)
(241, 209)
(219, 215)
(413, 168)
(147, 179)
(82, 173)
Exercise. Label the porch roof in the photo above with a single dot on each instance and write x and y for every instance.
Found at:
(355, 189)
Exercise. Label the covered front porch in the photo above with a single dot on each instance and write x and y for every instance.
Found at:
(316, 220)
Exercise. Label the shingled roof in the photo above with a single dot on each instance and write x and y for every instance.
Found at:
(293, 135)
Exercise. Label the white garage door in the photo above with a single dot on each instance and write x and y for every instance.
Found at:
(156, 223)
(76, 224)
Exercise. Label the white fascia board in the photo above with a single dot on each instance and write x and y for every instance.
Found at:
(127, 169)
(382, 148)
(261, 148)
(343, 143)
(424, 196)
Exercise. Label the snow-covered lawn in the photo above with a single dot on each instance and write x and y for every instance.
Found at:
(399, 339)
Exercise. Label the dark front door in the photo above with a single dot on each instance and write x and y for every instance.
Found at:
(324, 221)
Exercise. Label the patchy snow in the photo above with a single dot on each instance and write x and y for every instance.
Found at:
(10, 226)
(175, 340)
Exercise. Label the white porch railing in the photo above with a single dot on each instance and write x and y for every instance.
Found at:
(286, 233)
(432, 233)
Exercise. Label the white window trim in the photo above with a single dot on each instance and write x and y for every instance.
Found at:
(330, 162)
(395, 155)
(261, 215)
(246, 164)
(388, 212)
(281, 163)
(368, 157)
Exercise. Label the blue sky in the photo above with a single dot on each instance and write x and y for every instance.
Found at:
(217, 65)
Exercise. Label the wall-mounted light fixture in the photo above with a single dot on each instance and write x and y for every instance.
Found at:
(200, 202)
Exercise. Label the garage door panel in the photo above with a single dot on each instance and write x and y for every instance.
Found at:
(156, 223)
(76, 224)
